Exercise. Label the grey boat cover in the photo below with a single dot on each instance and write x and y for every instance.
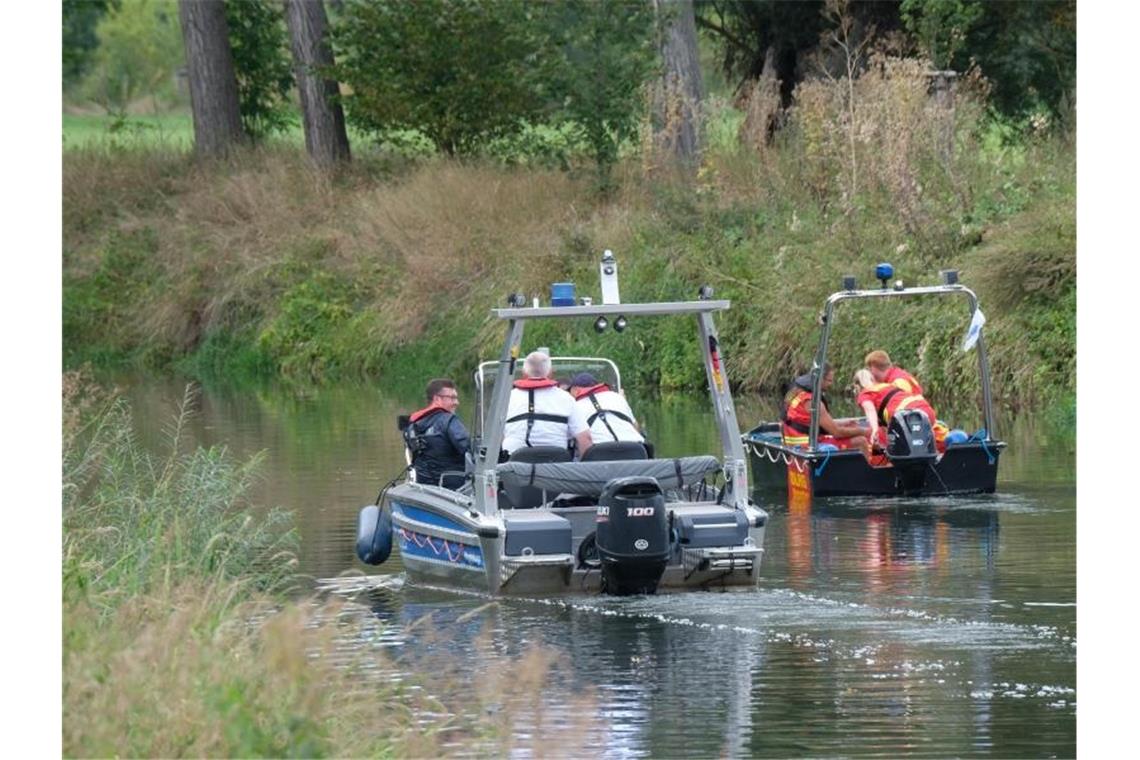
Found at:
(589, 478)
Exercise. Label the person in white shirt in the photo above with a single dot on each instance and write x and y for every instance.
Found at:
(600, 414)
(538, 413)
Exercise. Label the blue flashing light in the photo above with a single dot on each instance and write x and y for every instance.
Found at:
(884, 271)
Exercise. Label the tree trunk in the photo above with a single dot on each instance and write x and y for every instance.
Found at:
(325, 137)
(213, 83)
(682, 89)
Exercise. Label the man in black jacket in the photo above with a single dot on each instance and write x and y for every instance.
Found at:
(436, 437)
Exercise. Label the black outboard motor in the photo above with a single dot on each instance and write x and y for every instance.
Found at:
(632, 535)
(910, 446)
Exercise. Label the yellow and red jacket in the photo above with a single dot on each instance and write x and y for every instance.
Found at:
(797, 416)
(903, 379)
(889, 398)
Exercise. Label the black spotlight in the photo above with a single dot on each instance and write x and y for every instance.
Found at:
(600, 324)
(848, 282)
(620, 323)
(705, 292)
(515, 300)
(950, 276)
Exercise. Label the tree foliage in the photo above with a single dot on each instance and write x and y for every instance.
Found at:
(1025, 48)
(80, 17)
(140, 49)
(1028, 51)
(459, 71)
(601, 56)
(940, 26)
(261, 61)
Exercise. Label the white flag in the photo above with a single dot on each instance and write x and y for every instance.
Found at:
(974, 331)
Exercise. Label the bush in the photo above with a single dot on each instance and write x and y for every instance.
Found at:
(140, 48)
(263, 66)
(457, 71)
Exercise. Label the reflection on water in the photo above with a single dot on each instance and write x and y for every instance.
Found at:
(906, 626)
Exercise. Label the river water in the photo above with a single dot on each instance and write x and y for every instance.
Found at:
(918, 627)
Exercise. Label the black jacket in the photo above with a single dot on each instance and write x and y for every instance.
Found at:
(439, 443)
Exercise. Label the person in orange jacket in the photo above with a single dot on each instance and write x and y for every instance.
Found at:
(797, 416)
(880, 401)
(878, 362)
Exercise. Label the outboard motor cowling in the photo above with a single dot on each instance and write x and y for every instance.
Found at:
(910, 447)
(632, 535)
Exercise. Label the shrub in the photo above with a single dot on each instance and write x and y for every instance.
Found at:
(457, 71)
(262, 63)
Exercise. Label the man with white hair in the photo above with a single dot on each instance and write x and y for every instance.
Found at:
(539, 411)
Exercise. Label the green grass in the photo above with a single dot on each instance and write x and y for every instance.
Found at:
(175, 130)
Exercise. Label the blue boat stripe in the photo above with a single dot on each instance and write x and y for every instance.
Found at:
(431, 518)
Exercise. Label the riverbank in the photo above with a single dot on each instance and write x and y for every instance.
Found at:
(187, 631)
(261, 267)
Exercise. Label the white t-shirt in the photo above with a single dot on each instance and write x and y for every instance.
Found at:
(611, 402)
(550, 400)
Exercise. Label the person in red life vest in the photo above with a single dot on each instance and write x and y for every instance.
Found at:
(600, 414)
(797, 416)
(880, 402)
(538, 413)
(437, 439)
(878, 362)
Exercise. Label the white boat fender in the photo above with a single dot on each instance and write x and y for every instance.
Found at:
(373, 535)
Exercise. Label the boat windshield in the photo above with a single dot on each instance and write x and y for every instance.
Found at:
(565, 368)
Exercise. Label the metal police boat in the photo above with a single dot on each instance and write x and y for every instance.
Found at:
(616, 521)
(912, 464)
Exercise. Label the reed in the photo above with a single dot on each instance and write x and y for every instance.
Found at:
(180, 640)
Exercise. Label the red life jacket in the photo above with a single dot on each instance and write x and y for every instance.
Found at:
(582, 393)
(797, 417)
(890, 398)
(425, 412)
(903, 379)
(530, 385)
(591, 394)
(534, 383)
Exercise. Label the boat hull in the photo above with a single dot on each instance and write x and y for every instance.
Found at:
(443, 543)
(968, 468)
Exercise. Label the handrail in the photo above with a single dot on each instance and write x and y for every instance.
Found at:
(821, 354)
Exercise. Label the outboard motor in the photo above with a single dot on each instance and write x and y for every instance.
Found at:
(632, 535)
(910, 447)
(373, 535)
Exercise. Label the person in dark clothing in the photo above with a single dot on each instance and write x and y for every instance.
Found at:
(437, 439)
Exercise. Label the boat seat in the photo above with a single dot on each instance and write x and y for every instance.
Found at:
(528, 497)
(611, 451)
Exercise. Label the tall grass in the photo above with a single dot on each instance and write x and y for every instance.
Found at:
(388, 269)
(180, 640)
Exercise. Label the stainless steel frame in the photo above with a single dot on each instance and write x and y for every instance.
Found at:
(935, 290)
(486, 482)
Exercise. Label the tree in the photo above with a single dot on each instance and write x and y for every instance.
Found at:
(261, 63)
(140, 48)
(80, 18)
(1028, 51)
(458, 71)
(601, 55)
(677, 118)
(325, 137)
(940, 26)
(213, 83)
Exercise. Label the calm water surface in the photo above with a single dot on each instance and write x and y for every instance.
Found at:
(928, 627)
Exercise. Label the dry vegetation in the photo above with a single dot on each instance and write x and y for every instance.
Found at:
(389, 268)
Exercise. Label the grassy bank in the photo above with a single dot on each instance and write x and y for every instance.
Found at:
(180, 639)
(260, 266)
